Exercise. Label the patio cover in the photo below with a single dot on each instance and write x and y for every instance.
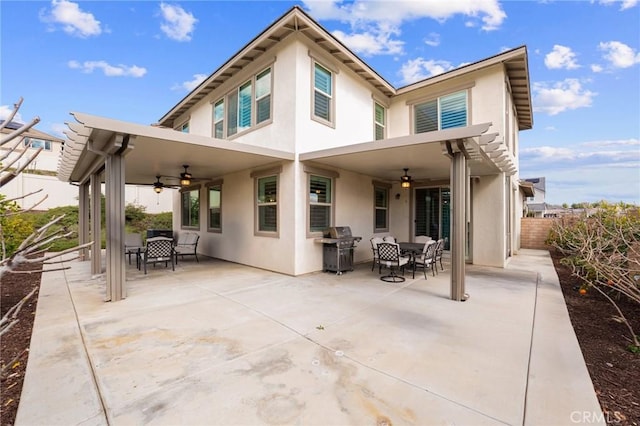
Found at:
(130, 153)
(467, 151)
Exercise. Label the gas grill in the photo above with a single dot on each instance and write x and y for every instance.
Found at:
(338, 245)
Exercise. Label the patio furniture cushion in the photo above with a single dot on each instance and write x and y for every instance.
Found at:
(427, 259)
(187, 245)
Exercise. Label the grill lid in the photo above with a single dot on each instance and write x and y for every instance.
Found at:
(338, 232)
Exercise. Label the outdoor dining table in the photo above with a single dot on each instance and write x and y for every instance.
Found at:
(411, 248)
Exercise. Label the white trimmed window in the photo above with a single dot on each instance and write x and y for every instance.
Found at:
(244, 107)
(267, 204)
(266, 189)
(190, 208)
(381, 206)
(380, 121)
(184, 127)
(322, 94)
(37, 143)
(214, 195)
(444, 112)
(218, 119)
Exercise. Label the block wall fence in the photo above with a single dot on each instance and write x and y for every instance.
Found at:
(534, 232)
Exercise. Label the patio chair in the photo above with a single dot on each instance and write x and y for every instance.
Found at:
(133, 244)
(438, 255)
(389, 239)
(158, 249)
(427, 259)
(389, 256)
(187, 245)
(374, 247)
(422, 239)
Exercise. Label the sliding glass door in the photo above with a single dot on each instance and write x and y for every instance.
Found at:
(432, 215)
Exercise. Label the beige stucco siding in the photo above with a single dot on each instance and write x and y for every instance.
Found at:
(489, 221)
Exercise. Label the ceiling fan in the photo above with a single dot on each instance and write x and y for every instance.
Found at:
(185, 178)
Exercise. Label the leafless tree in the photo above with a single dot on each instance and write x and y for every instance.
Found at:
(34, 248)
(604, 252)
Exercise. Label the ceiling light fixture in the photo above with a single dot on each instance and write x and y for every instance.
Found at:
(157, 185)
(405, 181)
(185, 177)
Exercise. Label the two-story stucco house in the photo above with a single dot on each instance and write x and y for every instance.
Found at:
(295, 134)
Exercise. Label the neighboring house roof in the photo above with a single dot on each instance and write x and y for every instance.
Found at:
(297, 21)
(31, 133)
(538, 207)
(538, 183)
(527, 188)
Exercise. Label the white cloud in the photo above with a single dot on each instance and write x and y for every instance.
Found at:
(488, 11)
(374, 42)
(107, 69)
(619, 54)
(190, 84)
(419, 69)
(606, 143)
(587, 171)
(178, 24)
(624, 4)
(73, 20)
(5, 112)
(375, 25)
(596, 68)
(561, 96)
(561, 57)
(433, 40)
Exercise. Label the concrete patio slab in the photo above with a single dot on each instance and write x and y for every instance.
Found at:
(221, 343)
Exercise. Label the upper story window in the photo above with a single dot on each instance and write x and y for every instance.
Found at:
(37, 143)
(184, 127)
(323, 102)
(218, 119)
(190, 208)
(380, 120)
(214, 220)
(441, 113)
(246, 106)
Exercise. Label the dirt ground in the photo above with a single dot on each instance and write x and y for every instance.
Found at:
(14, 348)
(614, 370)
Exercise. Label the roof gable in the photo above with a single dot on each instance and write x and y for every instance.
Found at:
(297, 21)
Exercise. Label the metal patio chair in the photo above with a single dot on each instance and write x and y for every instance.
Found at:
(389, 255)
(158, 249)
(427, 259)
(187, 245)
(374, 247)
(132, 245)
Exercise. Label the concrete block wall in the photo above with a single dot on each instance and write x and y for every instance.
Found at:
(534, 232)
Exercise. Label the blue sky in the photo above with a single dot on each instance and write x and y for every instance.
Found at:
(134, 61)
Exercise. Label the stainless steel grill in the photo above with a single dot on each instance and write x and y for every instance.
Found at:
(338, 245)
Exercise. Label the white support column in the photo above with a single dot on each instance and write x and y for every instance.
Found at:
(458, 224)
(116, 277)
(96, 228)
(83, 220)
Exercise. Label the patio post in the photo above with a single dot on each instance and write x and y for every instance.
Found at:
(83, 225)
(96, 219)
(458, 223)
(116, 277)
